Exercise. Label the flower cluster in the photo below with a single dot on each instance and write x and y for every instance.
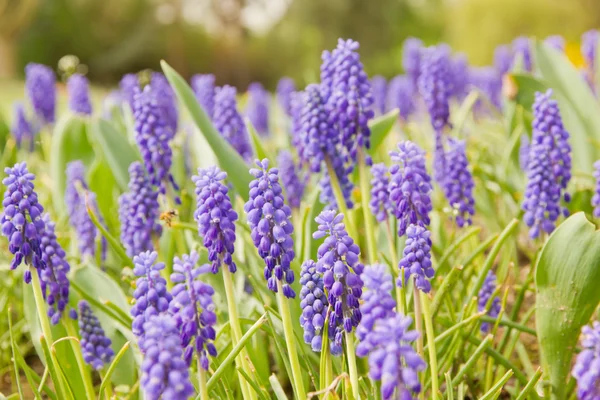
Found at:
(165, 374)
(296, 107)
(555, 41)
(166, 100)
(40, 83)
(215, 217)
(153, 134)
(458, 183)
(193, 309)
(21, 127)
(127, 87)
(270, 221)
(204, 89)
(416, 260)
(285, 88)
(257, 109)
(502, 59)
(377, 302)
(589, 47)
(380, 203)
(314, 305)
(411, 59)
(410, 187)
(77, 209)
(21, 221)
(521, 48)
(435, 86)
(587, 367)
(483, 300)
(292, 182)
(79, 94)
(53, 278)
(392, 358)
(379, 85)
(95, 346)
(400, 96)
(138, 212)
(151, 295)
(229, 122)
(338, 261)
(459, 70)
(489, 82)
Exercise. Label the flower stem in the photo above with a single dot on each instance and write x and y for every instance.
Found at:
(84, 370)
(339, 199)
(365, 197)
(288, 331)
(202, 382)
(236, 331)
(433, 366)
(352, 369)
(419, 326)
(400, 296)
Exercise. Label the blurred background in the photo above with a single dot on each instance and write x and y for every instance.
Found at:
(261, 40)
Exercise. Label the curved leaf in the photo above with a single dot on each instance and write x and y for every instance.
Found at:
(257, 142)
(229, 159)
(567, 277)
(381, 127)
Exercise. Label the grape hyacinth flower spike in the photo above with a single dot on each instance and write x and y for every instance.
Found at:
(521, 47)
(40, 85)
(458, 184)
(285, 88)
(379, 85)
(556, 42)
(270, 221)
(412, 49)
(79, 94)
(21, 127)
(165, 374)
(484, 297)
(416, 260)
(229, 122)
(127, 87)
(151, 294)
(377, 302)
(292, 183)
(257, 109)
(204, 89)
(434, 85)
(338, 262)
(193, 309)
(502, 59)
(314, 305)
(139, 212)
(381, 205)
(400, 95)
(215, 217)
(587, 366)
(21, 219)
(95, 345)
(589, 48)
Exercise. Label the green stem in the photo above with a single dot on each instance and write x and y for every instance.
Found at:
(352, 369)
(419, 326)
(339, 199)
(202, 382)
(431, 343)
(288, 331)
(236, 331)
(108, 387)
(400, 296)
(365, 197)
(84, 370)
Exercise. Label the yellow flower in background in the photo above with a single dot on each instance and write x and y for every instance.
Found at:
(573, 53)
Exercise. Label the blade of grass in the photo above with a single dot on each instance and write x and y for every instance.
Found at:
(277, 389)
(111, 369)
(14, 353)
(473, 359)
(114, 243)
(530, 385)
(494, 392)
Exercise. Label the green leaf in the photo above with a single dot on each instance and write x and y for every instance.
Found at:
(229, 159)
(381, 127)
(277, 389)
(112, 367)
(102, 182)
(567, 276)
(69, 142)
(527, 86)
(118, 152)
(257, 142)
(464, 111)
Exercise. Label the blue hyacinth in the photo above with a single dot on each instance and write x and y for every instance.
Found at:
(435, 86)
(483, 300)
(416, 259)
(204, 89)
(229, 122)
(314, 305)
(79, 94)
(285, 88)
(95, 345)
(377, 302)
(400, 95)
(412, 50)
(587, 366)
(40, 87)
(257, 109)
(380, 204)
(21, 127)
(458, 183)
(379, 85)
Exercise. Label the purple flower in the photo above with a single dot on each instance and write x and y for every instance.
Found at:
(458, 183)
(484, 297)
(377, 302)
(521, 47)
(338, 262)
(380, 203)
(296, 106)
(351, 100)
(285, 88)
(435, 86)
(596, 197)
(204, 89)
(215, 217)
(416, 260)
(193, 309)
(524, 152)
(166, 100)
(410, 187)
(257, 109)
(40, 85)
(502, 59)
(400, 95)
(292, 182)
(79, 94)
(314, 305)
(21, 128)
(392, 358)
(127, 86)
(556, 41)
(21, 219)
(229, 122)
(379, 85)
(270, 221)
(459, 70)
(139, 212)
(587, 366)
(411, 59)
(75, 200)
(151, 295)
(53, 278)
(589, 45)
(153, 136)
(165, 375)
(95, 346)
(489, 82)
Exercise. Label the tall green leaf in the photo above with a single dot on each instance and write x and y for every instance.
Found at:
(381, 127)
(229, 160)
(567, 279)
